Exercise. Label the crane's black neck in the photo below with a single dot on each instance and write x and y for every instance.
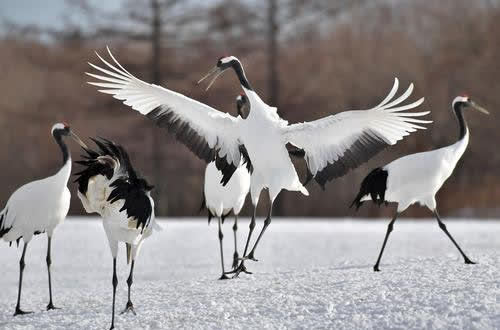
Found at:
(236, 65)
(462, 123)
(64, 148)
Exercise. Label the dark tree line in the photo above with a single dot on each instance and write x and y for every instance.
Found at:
(308, 58)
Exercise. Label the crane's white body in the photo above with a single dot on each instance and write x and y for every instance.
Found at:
(117, 225)
(417, 178)
(221, 200)
(38, 206)
(261, 133)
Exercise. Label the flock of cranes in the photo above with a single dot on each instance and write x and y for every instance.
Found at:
(245, 153)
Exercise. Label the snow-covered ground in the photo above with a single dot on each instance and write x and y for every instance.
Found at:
(312, 274)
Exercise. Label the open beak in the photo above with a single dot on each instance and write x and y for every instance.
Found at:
(479, 108)
(214, 71)
(78, 140)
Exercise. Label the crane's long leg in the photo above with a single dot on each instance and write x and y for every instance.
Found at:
(389, 230)
(266, 224)
(115, 283)
(130, 306)
(235, 255)
(221, 237)
(443, 228)
(49, 263)
(241, 267)
(19, 311)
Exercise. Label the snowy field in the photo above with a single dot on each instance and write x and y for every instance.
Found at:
(312, 274)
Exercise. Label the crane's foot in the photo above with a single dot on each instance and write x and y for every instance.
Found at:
(224, 277)
(129, 308)
(240, 269)
(375, 268)
(19, 311)
(51, 306)
(469, 262)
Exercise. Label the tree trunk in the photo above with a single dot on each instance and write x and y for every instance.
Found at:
(159, 192)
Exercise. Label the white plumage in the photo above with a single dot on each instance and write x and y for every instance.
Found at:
(418, 177)
(333, 145)
(39, 207)
(433, 168)
(109, 186)
(220, 200)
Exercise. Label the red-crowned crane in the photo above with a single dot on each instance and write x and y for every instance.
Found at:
(418, 177)
(220, 200)
(332, 145)
(39, 207)
(110, 186)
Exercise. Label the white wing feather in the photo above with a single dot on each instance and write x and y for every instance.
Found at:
(352, 137)
(217, 129)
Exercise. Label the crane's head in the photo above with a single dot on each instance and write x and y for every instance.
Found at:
(223, 63)
(242, 105)
(63, 129)
(464, 102)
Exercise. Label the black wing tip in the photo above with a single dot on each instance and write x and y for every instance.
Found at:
(365, 147)
(203, 204)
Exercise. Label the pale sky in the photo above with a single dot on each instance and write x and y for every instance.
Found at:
(47, 13)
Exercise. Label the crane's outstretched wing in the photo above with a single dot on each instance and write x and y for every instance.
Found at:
(335, 144)
(207, 132)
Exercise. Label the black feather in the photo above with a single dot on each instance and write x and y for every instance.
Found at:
(364, 148)
(129, 187)
(165, 118)
(227, 169)
(3, 230)
(136, 201)
(246, 158)
(374, 185)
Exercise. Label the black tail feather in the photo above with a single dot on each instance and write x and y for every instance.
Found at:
(375, 185)
(203, 203)
(3, 230)
(203, 206)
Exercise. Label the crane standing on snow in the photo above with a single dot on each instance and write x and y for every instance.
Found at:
(220, 200)
(332, 145)
(39, 207)
(110, 186)
(418, 177)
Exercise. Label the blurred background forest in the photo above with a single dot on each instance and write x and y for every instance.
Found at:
(308, 58)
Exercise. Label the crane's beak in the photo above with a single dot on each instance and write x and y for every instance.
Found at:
(479, 108)
(214, 71)
(78, 140)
